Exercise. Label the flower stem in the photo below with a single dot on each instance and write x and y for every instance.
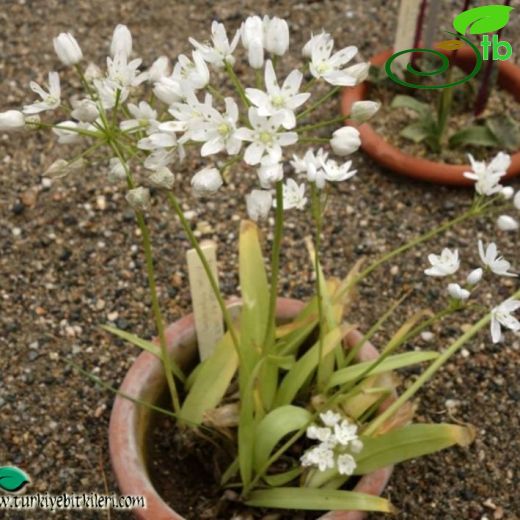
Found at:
(429, 372)
(150, 271)
(329, 122)
(275, 266)
(318, 103)
(238, 86)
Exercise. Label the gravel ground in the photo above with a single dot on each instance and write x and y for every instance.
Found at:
(71, 261)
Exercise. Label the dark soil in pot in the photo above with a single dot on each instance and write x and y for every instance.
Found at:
(185, 472)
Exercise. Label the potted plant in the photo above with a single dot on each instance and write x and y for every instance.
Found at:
(294, 409)
(437, 125)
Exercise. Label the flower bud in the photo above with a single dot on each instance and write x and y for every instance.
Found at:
(11, 120)
(475, 276)
(276, 35)
(60, 168)
(516, 200)
(92, 72)
(162, 178)
(269, 172)
(252, 34)
(67, 49)
(121, 41)
(457, 292)
(116, 171)
(160, 69)
(345, 141)
(139, 198)
(67, 136)
(507, 223)
(206, 181)
(168, 91)
(85, 111)
(364, 110)
(507, 192)
(259, 203)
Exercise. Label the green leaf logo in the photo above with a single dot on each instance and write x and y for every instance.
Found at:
(12, 479)
(485, 19)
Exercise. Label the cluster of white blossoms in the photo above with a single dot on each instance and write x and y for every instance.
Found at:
(487, 183)
(338, 440)
(153, 116)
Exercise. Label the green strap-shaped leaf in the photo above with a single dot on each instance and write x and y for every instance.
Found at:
(280, 479)
(304, 367)
(409, 442)
(12, 479)
(351, 373)
(318, 500)
(144, 344)
(402, 101)
(211, 382)
(484, 19)
(274, 427)
(473, 135)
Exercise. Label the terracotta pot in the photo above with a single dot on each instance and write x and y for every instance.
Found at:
(130, 423)
(391, 157)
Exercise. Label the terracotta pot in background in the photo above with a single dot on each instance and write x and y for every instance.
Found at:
(130, 423)
(393, 158)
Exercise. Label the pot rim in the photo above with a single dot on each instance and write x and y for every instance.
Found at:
(145, 381)
(384, 153)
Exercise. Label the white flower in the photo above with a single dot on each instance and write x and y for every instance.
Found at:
(162, 178)
(301, 165)
(68, 136)
(507, 223)
(116, 170)
(364, 110)
(457, 292)
(265, 137)
(222, 50)
(109, 91)
(206, 181)
(11, 120)
(488, 177)
(138, 198)
(328, 67)
(491, 259)
(123, 73)
(194, 73)
(144, 117)
(444, 264)
(356, 446)
(501, 316)
(507, 192)
(284, 100)
(269, 172)
(345, 432)
(293, 195)
(67, 49)
(345, 141)
(259, 203)
(330, 171)
(346, 464)
(85, 111)
(475, 276)
(252, 35)
(157, 140)
(276, 35)
(160, 69)
(50, 100)
(516, 200)
(320, 456)
(330, 418)
(359, 71)
(217, 131)
(159, 158)
(168, 90)
(121, 41)
(318, 433)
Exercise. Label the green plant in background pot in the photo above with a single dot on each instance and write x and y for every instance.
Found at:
(304, 414)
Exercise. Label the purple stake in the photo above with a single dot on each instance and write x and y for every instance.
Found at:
(484, 90)
(418, 32)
